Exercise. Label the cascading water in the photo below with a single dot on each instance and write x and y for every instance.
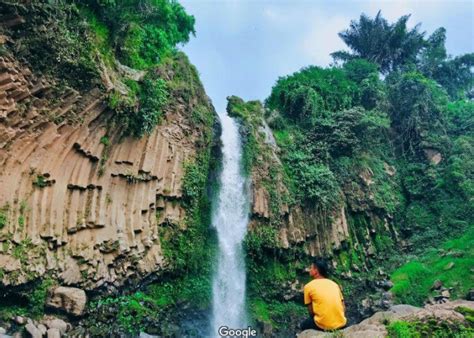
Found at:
(230, 219)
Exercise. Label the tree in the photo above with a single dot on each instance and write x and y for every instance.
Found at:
(454, 74)
(416, 104)
(306, 95)
(143, 31)
(388, 45)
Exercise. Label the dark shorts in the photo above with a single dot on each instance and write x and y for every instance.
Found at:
(309, 324)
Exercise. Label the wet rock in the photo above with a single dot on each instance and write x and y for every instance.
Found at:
(437, 285)
(386, 301)
(366, 307)
(67, 299)
(2, 330)
(385, 284)
(33, 330)
(387, 296)
(20, 320)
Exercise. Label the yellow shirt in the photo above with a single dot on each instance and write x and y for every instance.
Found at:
(326, 297)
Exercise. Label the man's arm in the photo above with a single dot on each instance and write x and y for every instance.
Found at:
(308, 301)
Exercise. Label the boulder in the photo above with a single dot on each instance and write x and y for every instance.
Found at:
(374, 326)
(42, 328)
(68, 299)
(33, 330)
(385, 284)
(20, 320)
(53, 333)
(57, 324)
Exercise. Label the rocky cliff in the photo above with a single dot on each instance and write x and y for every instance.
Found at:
(80, 200)
(335, 174)
(310, 228)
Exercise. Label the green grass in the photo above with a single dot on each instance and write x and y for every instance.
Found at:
(430, 328)
(412, 281)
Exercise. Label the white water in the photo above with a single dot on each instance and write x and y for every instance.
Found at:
(230, 219)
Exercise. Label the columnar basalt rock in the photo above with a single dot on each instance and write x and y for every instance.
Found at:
(84, 209)
(316, 228)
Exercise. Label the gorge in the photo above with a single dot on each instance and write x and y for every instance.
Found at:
(129, 206)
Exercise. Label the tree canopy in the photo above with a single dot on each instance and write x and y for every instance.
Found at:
(388, 45)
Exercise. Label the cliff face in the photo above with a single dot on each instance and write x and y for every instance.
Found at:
(315, 230)
(79, 201)
(317, 233)
(349, 226)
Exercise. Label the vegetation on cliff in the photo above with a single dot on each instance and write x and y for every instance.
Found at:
(394, 151)
(124, 52)
(113, 44)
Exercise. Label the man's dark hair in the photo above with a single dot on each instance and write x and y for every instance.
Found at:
(322, 266)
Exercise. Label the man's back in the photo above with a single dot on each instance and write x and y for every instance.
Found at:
(326, 297)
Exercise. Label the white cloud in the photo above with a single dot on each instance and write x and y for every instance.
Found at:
(322, 39)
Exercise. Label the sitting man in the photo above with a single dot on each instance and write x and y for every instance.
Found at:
(324, 300)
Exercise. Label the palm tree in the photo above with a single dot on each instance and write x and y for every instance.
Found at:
(388, 45)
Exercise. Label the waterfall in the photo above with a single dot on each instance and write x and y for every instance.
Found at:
(230, 218)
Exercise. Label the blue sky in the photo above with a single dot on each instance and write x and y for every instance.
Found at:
(242, 46)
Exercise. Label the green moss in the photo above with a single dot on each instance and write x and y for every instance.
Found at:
(21, 221)
(40, 181)
(190, 251)
(105, 140)
(4, 215)
(104, 157)
(429, 328)
(413, 280)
